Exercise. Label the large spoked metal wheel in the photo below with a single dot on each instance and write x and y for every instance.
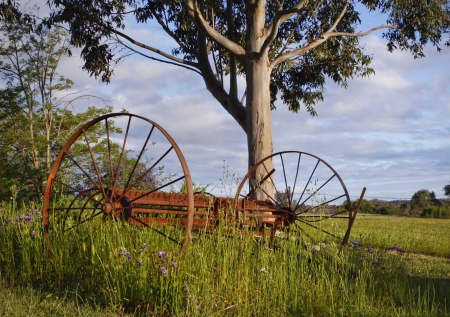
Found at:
(115, 167)
(303, 188)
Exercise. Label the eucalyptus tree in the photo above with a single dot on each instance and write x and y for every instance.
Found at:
(35, 103)
(423, 199)
(283, 49)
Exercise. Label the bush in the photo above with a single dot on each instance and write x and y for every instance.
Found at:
(436, 212)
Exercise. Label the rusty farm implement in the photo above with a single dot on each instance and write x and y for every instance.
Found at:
(126, 167)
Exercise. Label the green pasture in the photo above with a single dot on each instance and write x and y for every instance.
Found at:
(107, 268)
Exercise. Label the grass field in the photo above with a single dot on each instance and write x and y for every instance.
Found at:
(107, 269)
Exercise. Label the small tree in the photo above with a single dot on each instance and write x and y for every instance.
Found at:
(34, 110)
(420, 200)
(366, 206)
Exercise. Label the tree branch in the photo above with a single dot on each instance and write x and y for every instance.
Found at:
(230, 103)
(339, 18)
(176, 61)
(360, 34)
(280, 17)
(316, 42)
(196, 16)
(161, 60)
(171, 34)
(284, 47)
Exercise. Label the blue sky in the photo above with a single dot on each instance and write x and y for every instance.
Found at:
(389, 133)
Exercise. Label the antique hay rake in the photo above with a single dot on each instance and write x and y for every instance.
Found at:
(126, 167)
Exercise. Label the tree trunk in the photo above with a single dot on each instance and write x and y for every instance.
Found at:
(259, 126)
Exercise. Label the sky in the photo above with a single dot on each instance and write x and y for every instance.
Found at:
(389, 133)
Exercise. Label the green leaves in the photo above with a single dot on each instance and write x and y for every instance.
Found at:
(34, 117)
(417, 22)
(299, 81)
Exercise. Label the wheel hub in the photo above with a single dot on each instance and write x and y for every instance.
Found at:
(107, 208)
(118, 208)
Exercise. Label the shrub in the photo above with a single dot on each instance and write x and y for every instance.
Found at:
(436, 212)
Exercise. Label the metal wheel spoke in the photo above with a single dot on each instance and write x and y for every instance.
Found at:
(85, 220)
(259, 184)
(285, 182)
(306, 185)
(157, 231)
(139, 158)
(322, 204)
(322, 218)
(317, 190)
(267, 194)
(76, 190)
(121, 155)
(102, 188)
(109, 147)
(82, 170)
(295, 180)
(148, 171)
(156, 189)
(273, 183)
(320, 229)
(303, 230)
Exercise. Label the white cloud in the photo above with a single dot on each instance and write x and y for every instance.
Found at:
(388, 133)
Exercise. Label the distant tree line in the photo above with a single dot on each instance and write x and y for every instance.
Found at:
(422, 204)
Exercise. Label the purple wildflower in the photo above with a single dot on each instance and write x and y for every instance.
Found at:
(163, 271)
(146, 245)
(127, 255)
(120, 254)
(173, 264)
(162, 254)
(376, 262)
(370, 250)
(33, 233)
(140, 262)
(27, 218)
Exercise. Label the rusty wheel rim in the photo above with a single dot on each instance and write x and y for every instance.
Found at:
(103, 162)
(304, 188)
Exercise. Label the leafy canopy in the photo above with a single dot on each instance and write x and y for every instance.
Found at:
(306, 41)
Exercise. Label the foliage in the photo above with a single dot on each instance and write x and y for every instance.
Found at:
(291, 29)
(366, 206)
(10, 12)
(446, 190)
(422, 200)
(35, 103)
(436, 212)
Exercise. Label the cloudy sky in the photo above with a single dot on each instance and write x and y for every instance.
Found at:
(389, 133)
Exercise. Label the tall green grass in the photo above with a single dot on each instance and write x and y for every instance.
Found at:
(415, 235)
(130, 270)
